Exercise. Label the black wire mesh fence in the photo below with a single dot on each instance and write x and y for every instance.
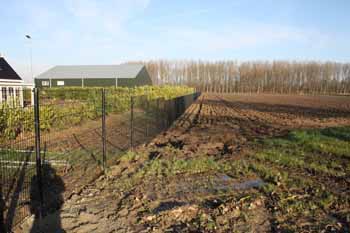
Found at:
(54, 142)
(17, 156)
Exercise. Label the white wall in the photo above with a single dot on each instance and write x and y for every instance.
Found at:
(13, 92)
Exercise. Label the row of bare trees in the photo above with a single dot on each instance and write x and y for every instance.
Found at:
(254, 77)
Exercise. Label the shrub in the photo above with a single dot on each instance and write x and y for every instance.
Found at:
(65, 107)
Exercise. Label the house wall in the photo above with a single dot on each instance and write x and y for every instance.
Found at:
(78, 82)
(16, 93)
(67, 82)
(106, 82)
(126, 82)
(38, 82)
(142, 79)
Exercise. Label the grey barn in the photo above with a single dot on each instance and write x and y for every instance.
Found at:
(126, 75)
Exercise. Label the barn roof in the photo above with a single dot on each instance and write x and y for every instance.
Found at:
(6, 71)
(92, 71)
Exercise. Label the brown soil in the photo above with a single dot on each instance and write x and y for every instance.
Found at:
(81, 147)
(220, 126)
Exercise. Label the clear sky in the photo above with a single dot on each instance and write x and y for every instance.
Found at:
(114, 31)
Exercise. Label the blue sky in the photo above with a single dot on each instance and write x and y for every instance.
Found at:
(114, 31)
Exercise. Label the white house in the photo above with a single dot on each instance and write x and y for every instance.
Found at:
(11, 85)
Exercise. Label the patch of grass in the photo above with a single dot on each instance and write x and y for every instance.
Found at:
(171, 167)
(295, 197)
(319, 141)
(236, 169)
(295, 160)
(310, 150)
(342, 133)
(128, 157)
(269, 175)
(330, 140)
(166, 167)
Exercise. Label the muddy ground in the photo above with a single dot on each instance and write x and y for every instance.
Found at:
(214, 170)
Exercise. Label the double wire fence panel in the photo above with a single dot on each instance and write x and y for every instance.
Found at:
(17, 155)
(54, 142)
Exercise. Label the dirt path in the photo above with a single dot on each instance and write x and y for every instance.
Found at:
(177, 183)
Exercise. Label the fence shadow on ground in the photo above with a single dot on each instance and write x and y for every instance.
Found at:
(53, 201)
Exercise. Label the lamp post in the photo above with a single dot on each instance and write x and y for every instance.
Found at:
(31, 64)
(31, 54)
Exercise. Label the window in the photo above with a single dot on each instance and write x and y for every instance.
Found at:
(45, 83)
(17, 92)
(60, 83)
(11, 91)
(4, 93)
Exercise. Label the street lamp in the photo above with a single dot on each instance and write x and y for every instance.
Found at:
(31, 55)
(31, 65)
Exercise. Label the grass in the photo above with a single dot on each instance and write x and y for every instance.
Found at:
(128, 157)
(323, 151)
(328, 141)
(172, 167)
(304, 172)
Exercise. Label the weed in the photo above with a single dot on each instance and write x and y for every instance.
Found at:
(294, 196)
(303, 149)
(128, 157)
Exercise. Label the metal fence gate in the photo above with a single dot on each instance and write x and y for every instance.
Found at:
(66, 139)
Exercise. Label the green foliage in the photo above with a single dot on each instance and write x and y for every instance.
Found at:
(171, 167)
(13, 120)
(318, 141)
(342, 133)
(300, 148)
(298, 169)
(94, 94)
(47, 117)
(166, 92)
(128, 157)
(66, 107)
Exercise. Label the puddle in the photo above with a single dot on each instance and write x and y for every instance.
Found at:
(221, 183)
(249, 184)
(225, 178)
(226, 183)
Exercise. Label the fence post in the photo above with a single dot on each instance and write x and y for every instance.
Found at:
(131, 122)
(104, 140)
(166, 113)
(147, 117)
(2, 208)
(163, 109)
(37, 150)
(158, 116)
